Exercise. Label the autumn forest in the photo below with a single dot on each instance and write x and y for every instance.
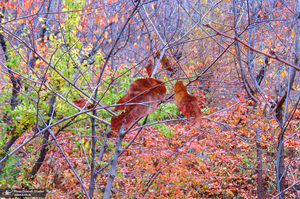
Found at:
(150, 98)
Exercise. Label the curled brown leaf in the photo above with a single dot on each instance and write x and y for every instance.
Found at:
(141, 99)
(187, 104)
(83, 103)
(165, 62)
(149, 68)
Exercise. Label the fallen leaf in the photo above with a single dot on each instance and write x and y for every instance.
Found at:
(297, 114)
(82, 103)
(147, 92)
(165, 62)
(187, 104)
(149, 67)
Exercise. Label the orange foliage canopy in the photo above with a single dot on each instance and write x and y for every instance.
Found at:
(81, 103)
(148, 92)
(165, 62)
(149, 68)
(187, 104)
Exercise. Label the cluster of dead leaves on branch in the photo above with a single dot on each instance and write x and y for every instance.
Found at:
(144, 96)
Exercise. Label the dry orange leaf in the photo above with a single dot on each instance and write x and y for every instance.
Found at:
(297, 114)
(187, 104)
(81, 103)
(149, 68)
(147, 92)
(165, 62)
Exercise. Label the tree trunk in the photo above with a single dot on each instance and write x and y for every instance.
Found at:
(259, 166)
(92, 178)
(280, 158)
(114, 164)
(279, 111)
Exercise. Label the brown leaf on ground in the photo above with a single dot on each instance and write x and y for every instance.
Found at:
(147, 92)
(165, 62)
(187, 104)
(82, 103)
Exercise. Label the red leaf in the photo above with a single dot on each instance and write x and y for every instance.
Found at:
(148, 92)
(187, 104)
(82, 103)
